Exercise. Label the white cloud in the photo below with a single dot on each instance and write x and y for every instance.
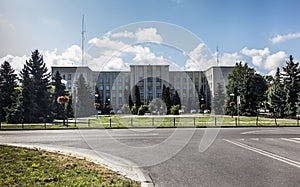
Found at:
(148, 35)
(283, 38)
(125, 34)
(17, 62)
(200, 58)
(263, 59)
(229, 59)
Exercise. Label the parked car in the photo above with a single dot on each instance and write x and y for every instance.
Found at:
(193, 111)
(206, 111)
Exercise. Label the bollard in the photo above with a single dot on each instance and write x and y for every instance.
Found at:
(110, 122)
(174, 122)
(298, 121)
(236, 124)
(194, 122)
(45, 125)
(0, 124)
(153, 121)
(88, 122)
(131, 122)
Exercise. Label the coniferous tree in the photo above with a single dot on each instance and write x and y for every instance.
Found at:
(85, 99)
(137, 96)
(14, 113)
(70, 110)
(298, 105)
(291, 77)
(8, 92)
(130, 102)
(36, 89)
(276, 96)
(219, 100)
(59, 90)
(176, 100)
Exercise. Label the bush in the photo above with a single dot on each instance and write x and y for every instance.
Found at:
(134, 109)
(141, 110)
(175, 109)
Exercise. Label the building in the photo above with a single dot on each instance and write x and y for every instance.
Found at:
(193, 87)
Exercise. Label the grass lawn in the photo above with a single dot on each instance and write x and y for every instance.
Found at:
(26, 167)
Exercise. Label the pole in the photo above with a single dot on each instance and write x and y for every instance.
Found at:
(174, 122)
(109, 121)
(152, 121)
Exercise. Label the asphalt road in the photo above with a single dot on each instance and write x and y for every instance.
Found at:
(184, 156)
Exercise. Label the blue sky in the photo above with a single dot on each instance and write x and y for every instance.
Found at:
(260, 32)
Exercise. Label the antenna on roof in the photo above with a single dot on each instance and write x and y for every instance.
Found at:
(82, 40)
(218, 62)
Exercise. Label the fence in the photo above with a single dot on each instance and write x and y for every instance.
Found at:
(117, 121)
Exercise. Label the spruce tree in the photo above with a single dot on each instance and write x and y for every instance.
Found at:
(137, 96)
(35, 80)
(59, 90)
(291, 77)
(84, 106)
(8, 93)
(219, 100)
(276, 96)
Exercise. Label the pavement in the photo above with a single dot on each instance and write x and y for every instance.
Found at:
(181, 156)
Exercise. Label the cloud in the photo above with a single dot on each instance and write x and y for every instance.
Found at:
(229, 59)
(148, 35)
(200, 58)
(263, 59)
(125, 34)
(17, 62)
(283, 38)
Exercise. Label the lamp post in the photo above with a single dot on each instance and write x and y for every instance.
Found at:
(231, 104)
(202, 105)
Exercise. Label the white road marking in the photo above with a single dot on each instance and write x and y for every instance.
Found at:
(265, 153)
(290, 140)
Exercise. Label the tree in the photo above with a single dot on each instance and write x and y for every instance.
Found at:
(176, 100)
(291, 78)
(250, 86)
(59, 90)
(298, 104)
(130, 102)
(85, 99)
(276, 96)
(35, 79)
(137, 96)
(219, 100)
(70, 110)
(8, 92)
(166, 98)
(14, 113)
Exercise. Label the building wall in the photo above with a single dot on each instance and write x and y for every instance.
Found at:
(192, 86)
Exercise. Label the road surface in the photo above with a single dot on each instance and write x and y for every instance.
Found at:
(183, 156)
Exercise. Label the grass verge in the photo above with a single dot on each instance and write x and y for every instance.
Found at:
(26, 167)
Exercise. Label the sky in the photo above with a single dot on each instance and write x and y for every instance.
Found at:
(185, 33)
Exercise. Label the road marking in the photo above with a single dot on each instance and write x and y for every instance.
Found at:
(291, 140)
(265, 153)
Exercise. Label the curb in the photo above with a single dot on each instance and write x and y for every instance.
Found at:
(117, 164)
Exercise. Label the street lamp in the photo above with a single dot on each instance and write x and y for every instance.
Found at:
(231, 104)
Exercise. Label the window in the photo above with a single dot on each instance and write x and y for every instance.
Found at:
(101, 87)
(107, 87)
(69, 85)
(64, 76)
(120, 87)
(69, 77)
(107, 80)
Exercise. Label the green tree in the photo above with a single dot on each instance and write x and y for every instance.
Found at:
(298, 104)
(130, 102)
(35, 80)
(137, 96)
(219, 100)
(70, 110)
(8, 93)
(85, 99)
(250, 86)
(276, 96)
(97, 103)
(14, 113)
(291, 78)
(59, 90)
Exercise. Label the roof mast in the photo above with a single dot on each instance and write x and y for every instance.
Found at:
(82, 41)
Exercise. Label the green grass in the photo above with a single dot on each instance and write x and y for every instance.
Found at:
(25, 167)
(119, 121)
